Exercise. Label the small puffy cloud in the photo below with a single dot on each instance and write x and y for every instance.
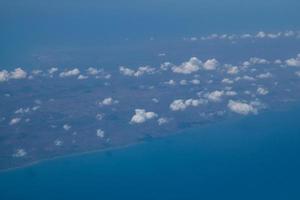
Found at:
(293, 62)
(170, 82)
(227, 81)
(19, 153)
(82, 77)
(262, 91)
(195, 81)
(4, 75)
(100, 133)
(94, 71)
(66, 127)
(139, 72)
(58, 142)
(14, 121)
(142, 116)
(52, 70)
(191, 66)
(108, 101)
(297, 73)
(18, 73)
(233, 70)
(241, 107)
(181, 104)
(215, 96)
(73, 72)
(261, 34)
(264, 75)
(162, 121)
(210, 64)
(256, 61)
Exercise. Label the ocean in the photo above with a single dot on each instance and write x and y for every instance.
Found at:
(256, 157)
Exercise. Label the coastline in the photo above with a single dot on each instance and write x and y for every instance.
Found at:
(284, 109)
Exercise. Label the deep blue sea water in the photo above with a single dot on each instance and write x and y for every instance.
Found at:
(255, 157)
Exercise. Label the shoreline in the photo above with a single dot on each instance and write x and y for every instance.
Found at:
(179, 132)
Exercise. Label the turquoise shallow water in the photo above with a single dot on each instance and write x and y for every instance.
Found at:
(256, 157)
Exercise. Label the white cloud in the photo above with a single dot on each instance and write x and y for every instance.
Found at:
(53, 70)
(14, 121)
(162, 121)
(141, 116)
(139, 72)
(293, 62)
(4, 75)
(264, 75)
(297, 73)
(58, 142)
(215, 96)
(108, 101)
(262, 91)
(233, 70)
(241, 108)
(210, 64)
(195, 81)
(66, 127)
(94, 71)
(227, 81)
(73, 72)
(181, 104)
(256, 61)
(191, 66)
(100, 133)
(19, 153)
(82, 77)
(18, 73)
(170, 82)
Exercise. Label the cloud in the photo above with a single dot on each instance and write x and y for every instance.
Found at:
(181, 104)
(264, 75)
(100, 133)
(297, 73)
(73, 72)
(19, 153)
(227, 81)
(52, 70)
(139, 72)
(241, 108)
(142, 116)
(210, 64)
(162, 121)
(14, 121)
(262, 91)
(82, 77)
(233, 70)
(191, 66)
(215, 96)
(4, 75)
(293, 62)
(108, 101)
(18, 73)
(256, 61)
(67, 127)
(94, 71)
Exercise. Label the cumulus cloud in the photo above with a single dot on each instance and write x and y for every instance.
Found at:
(191, 66)
(82, 77)
(162, 121)
(4, 75)
(52, 70)
(142, 116)
(19, 153)
(181, 104)
(233, 70)
(18, 73)
(210, 64)
(256, 61)
(94, 71)
(227, 81)
(241, 107)
(293, 62)
(108, 101)
(262, 91)
(73, 72)
(100, 133)
(264, 75)
(139, 72)
(215, 96)
(14, 121)
(66, 127)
